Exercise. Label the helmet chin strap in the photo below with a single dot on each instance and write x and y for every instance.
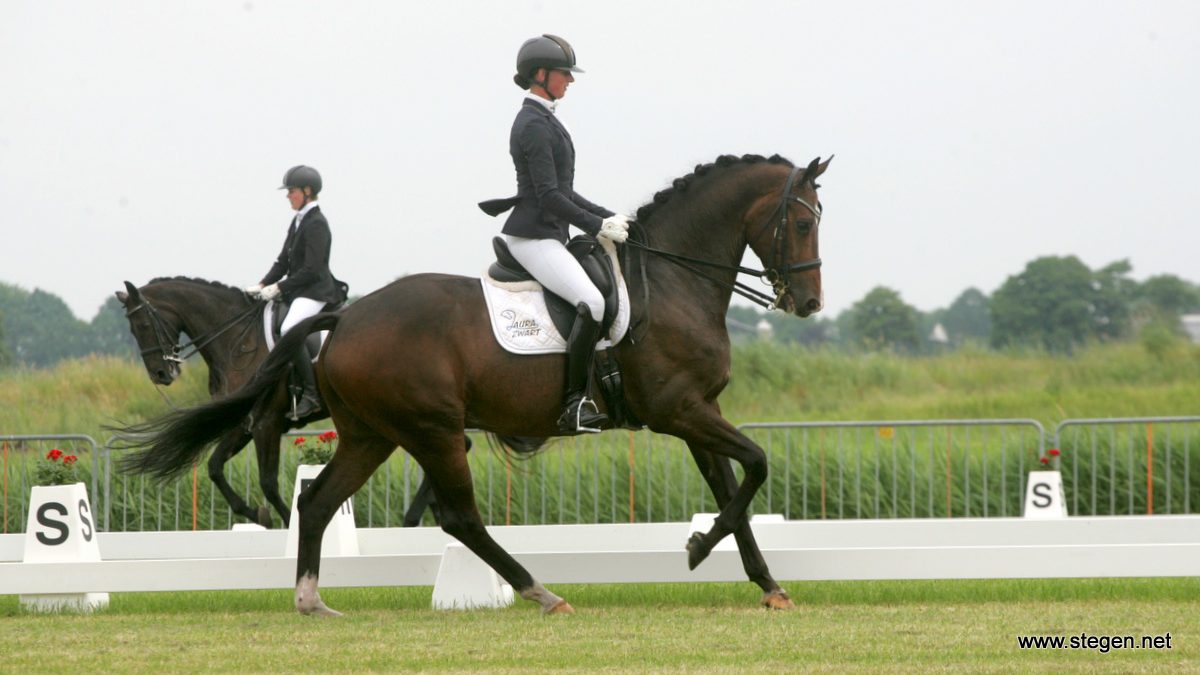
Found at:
(545, 84)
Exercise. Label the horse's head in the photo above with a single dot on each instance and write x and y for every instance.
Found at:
(782, 229)
(156, 330)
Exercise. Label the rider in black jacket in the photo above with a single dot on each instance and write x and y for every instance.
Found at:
(301, 274)
(546, 203)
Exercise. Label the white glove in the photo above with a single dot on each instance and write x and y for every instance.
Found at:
(253, 291)
(270, 292)
(615, 228)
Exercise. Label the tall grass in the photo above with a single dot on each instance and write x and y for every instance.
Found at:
(874, 471)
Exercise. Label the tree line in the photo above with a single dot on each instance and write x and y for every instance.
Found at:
(1056, 303)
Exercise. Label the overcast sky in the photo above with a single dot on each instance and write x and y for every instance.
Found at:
(144, 139)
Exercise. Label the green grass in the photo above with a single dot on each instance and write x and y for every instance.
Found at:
(878, 626)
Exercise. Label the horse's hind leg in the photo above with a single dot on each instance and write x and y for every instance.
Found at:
(230, 445)
(422, 500)
(718, 472)
(445, 463)
(356, 459)
(266, 445)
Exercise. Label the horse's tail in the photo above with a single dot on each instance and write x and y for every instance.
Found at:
(166, 447)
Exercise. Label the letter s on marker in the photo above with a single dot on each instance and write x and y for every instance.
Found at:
(43, 518)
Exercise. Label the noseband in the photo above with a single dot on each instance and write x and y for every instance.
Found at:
(778, 274)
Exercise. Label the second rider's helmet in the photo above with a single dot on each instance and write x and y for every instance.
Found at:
(301, 176)
(544, 51)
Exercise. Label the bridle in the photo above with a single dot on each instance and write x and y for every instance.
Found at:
(167, 341)
(777, 275)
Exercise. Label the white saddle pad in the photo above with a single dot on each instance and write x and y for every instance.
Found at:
(522, 324)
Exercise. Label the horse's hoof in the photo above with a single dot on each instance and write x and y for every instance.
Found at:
(264, 517)
(563, 607)
(777, 600)
(696, 549)
(320, 609)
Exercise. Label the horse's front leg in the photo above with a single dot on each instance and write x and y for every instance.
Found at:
(718, 472)
(705, 431)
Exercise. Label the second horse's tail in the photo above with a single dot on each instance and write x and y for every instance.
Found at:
(165, 447)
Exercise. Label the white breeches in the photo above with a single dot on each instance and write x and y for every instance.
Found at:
(555, 268)
(302, 308)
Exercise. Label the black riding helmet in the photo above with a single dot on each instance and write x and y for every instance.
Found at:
(544, 51)
(301, 176)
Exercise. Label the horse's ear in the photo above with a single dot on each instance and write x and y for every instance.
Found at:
(822, 166)
(130, 291)
(816, 168)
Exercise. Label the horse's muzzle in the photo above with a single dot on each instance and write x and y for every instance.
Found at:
(164, 374)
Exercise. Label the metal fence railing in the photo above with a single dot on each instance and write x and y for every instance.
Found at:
(898, 468)
(18, 463)
(861, 469)
(1129, 465)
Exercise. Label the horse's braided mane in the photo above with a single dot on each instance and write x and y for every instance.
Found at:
(193, 280)
(682, 184)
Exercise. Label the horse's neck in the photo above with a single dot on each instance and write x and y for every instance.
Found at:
(717, 237)
(202, 315)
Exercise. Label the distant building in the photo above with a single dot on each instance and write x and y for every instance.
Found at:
(764, 329)
(938, 334)
(1191, 324)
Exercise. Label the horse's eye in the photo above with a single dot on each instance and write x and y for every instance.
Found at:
(804, 227)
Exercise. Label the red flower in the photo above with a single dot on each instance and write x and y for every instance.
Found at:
(300, 440)
(328, 437)
(54, 454)
(1044, 460)
(70, 459)
(1054, 452)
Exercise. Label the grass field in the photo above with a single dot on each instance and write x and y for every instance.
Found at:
(876, 626)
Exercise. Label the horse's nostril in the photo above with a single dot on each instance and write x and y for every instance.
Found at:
(813, 305)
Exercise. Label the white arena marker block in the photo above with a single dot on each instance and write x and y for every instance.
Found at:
(703, 522)
(1044, 496)
(466, 582)
(61, 528)
(341, 535)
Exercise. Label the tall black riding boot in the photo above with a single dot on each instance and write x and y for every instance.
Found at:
(306, 400)
(580, 414)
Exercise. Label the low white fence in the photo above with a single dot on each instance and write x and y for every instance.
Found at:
(975, 548)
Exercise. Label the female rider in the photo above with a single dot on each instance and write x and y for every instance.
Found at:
(301, 275)
(546, 203)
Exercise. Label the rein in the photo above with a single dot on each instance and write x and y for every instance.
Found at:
(166, 343)
(776, 276)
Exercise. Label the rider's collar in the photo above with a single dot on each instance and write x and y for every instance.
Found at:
(550, 105)
(304, 210)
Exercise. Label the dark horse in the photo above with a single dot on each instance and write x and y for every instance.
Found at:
(415, 363)
(225, 328)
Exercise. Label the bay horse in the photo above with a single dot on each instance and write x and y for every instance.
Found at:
(415, 363)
